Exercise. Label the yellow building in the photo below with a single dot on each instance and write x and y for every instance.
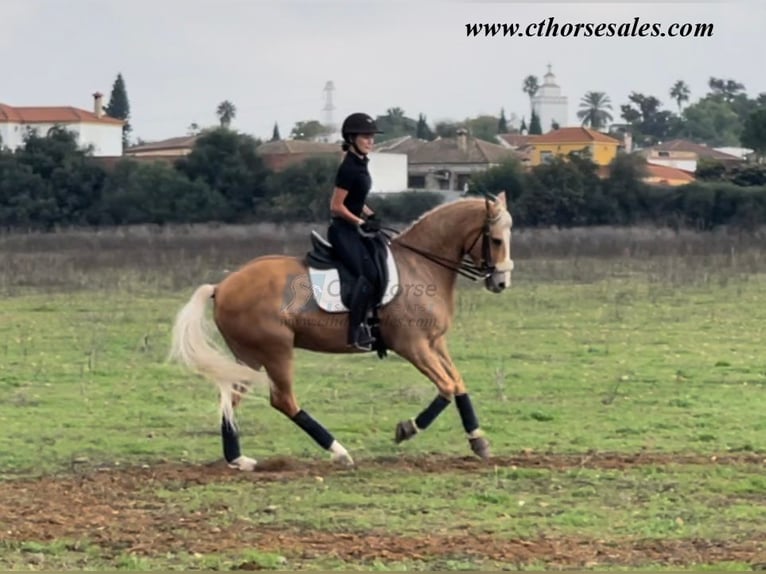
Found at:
(560, 142)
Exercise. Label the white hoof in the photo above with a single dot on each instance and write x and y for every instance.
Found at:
(340, 455)
(243, 463)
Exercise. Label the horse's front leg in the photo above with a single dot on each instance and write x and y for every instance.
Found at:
(435, 363)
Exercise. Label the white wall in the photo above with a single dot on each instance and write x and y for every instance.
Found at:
(740, 152)
(685, 164)
(106, 138)
(12, 135)
(388, 172)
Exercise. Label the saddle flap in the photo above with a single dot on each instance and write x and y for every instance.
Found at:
(331, 281)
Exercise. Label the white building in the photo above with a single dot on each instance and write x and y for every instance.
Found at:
(549, 105)
(388, 172)
(90, 127)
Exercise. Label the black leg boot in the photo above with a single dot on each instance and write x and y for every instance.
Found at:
(359, 334)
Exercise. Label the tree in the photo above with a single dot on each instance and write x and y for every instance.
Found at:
(725, 90)
(754, 133)
(593, 110)
(523, 127)
(226, 111)
(193, 129)
(482, 127)
(69, 183)
(302, 191)
(308, 130)
(530, 86)
(680, 93)
(423, 131)
(155, 192)
(502, 123)
(712, 121)
(650, 124)
(446, 129)
(275, 134)
(534, 125)
(119, 107)
(227, 161)
(508, 176)
(394, 124)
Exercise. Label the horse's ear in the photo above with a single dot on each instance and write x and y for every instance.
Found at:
(500, 199)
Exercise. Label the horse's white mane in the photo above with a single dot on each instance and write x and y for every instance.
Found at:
(440, 207)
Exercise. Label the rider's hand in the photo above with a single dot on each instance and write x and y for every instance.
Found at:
(371, 226)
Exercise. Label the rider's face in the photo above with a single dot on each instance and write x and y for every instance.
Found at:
(364, 142)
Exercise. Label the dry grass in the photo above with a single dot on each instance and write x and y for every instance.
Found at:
(172, 258)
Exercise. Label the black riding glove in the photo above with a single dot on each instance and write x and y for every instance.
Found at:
(371, 226)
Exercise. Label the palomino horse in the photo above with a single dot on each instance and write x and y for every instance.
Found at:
(469, 235)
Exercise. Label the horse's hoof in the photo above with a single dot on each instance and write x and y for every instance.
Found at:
(243, 463)
(339, 455)
(405, 430)
(480, 447)
(343, 459)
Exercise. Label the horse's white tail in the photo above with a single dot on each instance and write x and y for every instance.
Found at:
(193, 346)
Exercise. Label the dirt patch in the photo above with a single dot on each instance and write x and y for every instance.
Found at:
(115, 508)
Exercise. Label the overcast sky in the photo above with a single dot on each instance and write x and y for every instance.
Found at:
(180, 58)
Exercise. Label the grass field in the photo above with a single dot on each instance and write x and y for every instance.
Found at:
(621, 382)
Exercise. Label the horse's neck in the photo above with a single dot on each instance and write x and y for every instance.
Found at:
(445, 231)
(442, 234)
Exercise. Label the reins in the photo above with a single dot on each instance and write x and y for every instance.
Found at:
(465, 267)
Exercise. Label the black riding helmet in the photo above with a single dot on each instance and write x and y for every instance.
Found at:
(357, 124)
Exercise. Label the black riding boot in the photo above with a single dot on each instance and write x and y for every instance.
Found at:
(359, 334)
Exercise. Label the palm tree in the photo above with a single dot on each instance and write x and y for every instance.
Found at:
(530, 87)
(680, 93)
(226, 112)
(593, 108)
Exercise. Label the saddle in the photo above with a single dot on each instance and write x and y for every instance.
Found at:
(332, 283)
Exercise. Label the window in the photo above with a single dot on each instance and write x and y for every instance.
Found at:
(416, 182)
(546, 156)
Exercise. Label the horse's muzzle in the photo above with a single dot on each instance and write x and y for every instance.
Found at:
(500, 277)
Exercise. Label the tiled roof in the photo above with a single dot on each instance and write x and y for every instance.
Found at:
(447, 150)
(517, 140)
(403, 144)
(51, 115)
(181, 142)
(689, 146)
(298, 146)
(656, 170)
(574, 135)
(667, 172)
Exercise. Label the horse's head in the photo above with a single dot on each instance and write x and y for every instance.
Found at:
(493, 254)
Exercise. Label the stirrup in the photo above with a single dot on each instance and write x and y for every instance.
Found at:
(362, 338)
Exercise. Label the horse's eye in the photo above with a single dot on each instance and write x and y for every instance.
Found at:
(497, 242)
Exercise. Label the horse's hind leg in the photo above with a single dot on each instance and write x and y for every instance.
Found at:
(230, 439)
(280, 370)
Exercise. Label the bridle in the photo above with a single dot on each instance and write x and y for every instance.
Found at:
(464, 266)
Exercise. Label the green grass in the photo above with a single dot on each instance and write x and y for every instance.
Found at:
(646, 502)
(657, 354)
(567, 368)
